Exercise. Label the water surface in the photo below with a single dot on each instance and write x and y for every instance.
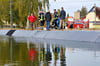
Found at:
(43, 52)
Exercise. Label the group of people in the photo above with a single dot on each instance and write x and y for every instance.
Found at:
(58, 20)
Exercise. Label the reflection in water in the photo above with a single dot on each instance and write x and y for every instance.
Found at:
(56, 52)
(45, 54)
(32, 54)
(26, 53)
(62, 56)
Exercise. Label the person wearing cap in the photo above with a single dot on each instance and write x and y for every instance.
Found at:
(55, 18)
(32, 19)
(42, 18)
(62, 17)
(48, 19)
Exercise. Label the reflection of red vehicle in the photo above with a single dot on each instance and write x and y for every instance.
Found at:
(32, 54)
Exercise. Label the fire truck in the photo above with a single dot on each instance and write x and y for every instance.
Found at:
(81, 23)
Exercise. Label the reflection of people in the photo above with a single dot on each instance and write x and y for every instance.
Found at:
(56, 52)
(32, 19)
(45, 53)
(62, 17)
(62, 56)
(48, 19)
(42, 19)
(48, 53)
(42, 54)
(33, 54)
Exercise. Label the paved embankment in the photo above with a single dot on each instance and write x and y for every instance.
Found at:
(78, 35)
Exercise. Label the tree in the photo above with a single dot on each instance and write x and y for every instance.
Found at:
(4, 10)
(40, 5)
(58, 11)
(21, 10)
(67, 15)
(66, 19)
(83, 12)
(78, 11)
(45, 3)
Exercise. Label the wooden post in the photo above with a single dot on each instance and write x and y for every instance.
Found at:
(95, 13)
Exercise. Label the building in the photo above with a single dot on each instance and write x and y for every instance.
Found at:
(94, 17)
(76, 15)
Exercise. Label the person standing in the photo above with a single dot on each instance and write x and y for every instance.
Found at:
(32, 19)
(58, 22)
(42, 19)
(55, 18)
(48, 19)
(62, 17)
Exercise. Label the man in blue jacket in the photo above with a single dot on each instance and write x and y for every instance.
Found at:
(62, 17)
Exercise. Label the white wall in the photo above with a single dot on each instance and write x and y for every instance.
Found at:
(91, 16)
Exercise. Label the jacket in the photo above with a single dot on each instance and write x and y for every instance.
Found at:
(55, 16)
(62, 14)
(48, 16)
(42, 17)
(32, 18)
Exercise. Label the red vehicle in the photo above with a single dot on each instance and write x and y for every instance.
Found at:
(70, 21)
(78, 24)
(84, 23)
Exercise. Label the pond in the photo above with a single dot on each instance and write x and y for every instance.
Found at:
(44, 52)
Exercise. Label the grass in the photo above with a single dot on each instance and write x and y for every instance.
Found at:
(51, 29)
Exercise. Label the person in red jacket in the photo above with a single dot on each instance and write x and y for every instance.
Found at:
(32, 19)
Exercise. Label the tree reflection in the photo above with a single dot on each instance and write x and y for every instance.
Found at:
(13, 53)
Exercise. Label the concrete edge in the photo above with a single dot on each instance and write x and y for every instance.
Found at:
(78, 35)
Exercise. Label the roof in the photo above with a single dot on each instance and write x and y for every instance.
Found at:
(97, 11)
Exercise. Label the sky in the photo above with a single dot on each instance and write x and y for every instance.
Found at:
(71, 6)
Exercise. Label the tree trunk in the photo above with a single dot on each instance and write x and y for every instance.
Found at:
(43, 1)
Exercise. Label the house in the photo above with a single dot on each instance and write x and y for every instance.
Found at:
(94, 17)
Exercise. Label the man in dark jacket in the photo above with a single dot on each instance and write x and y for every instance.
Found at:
(48, 19)
(62, 17)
